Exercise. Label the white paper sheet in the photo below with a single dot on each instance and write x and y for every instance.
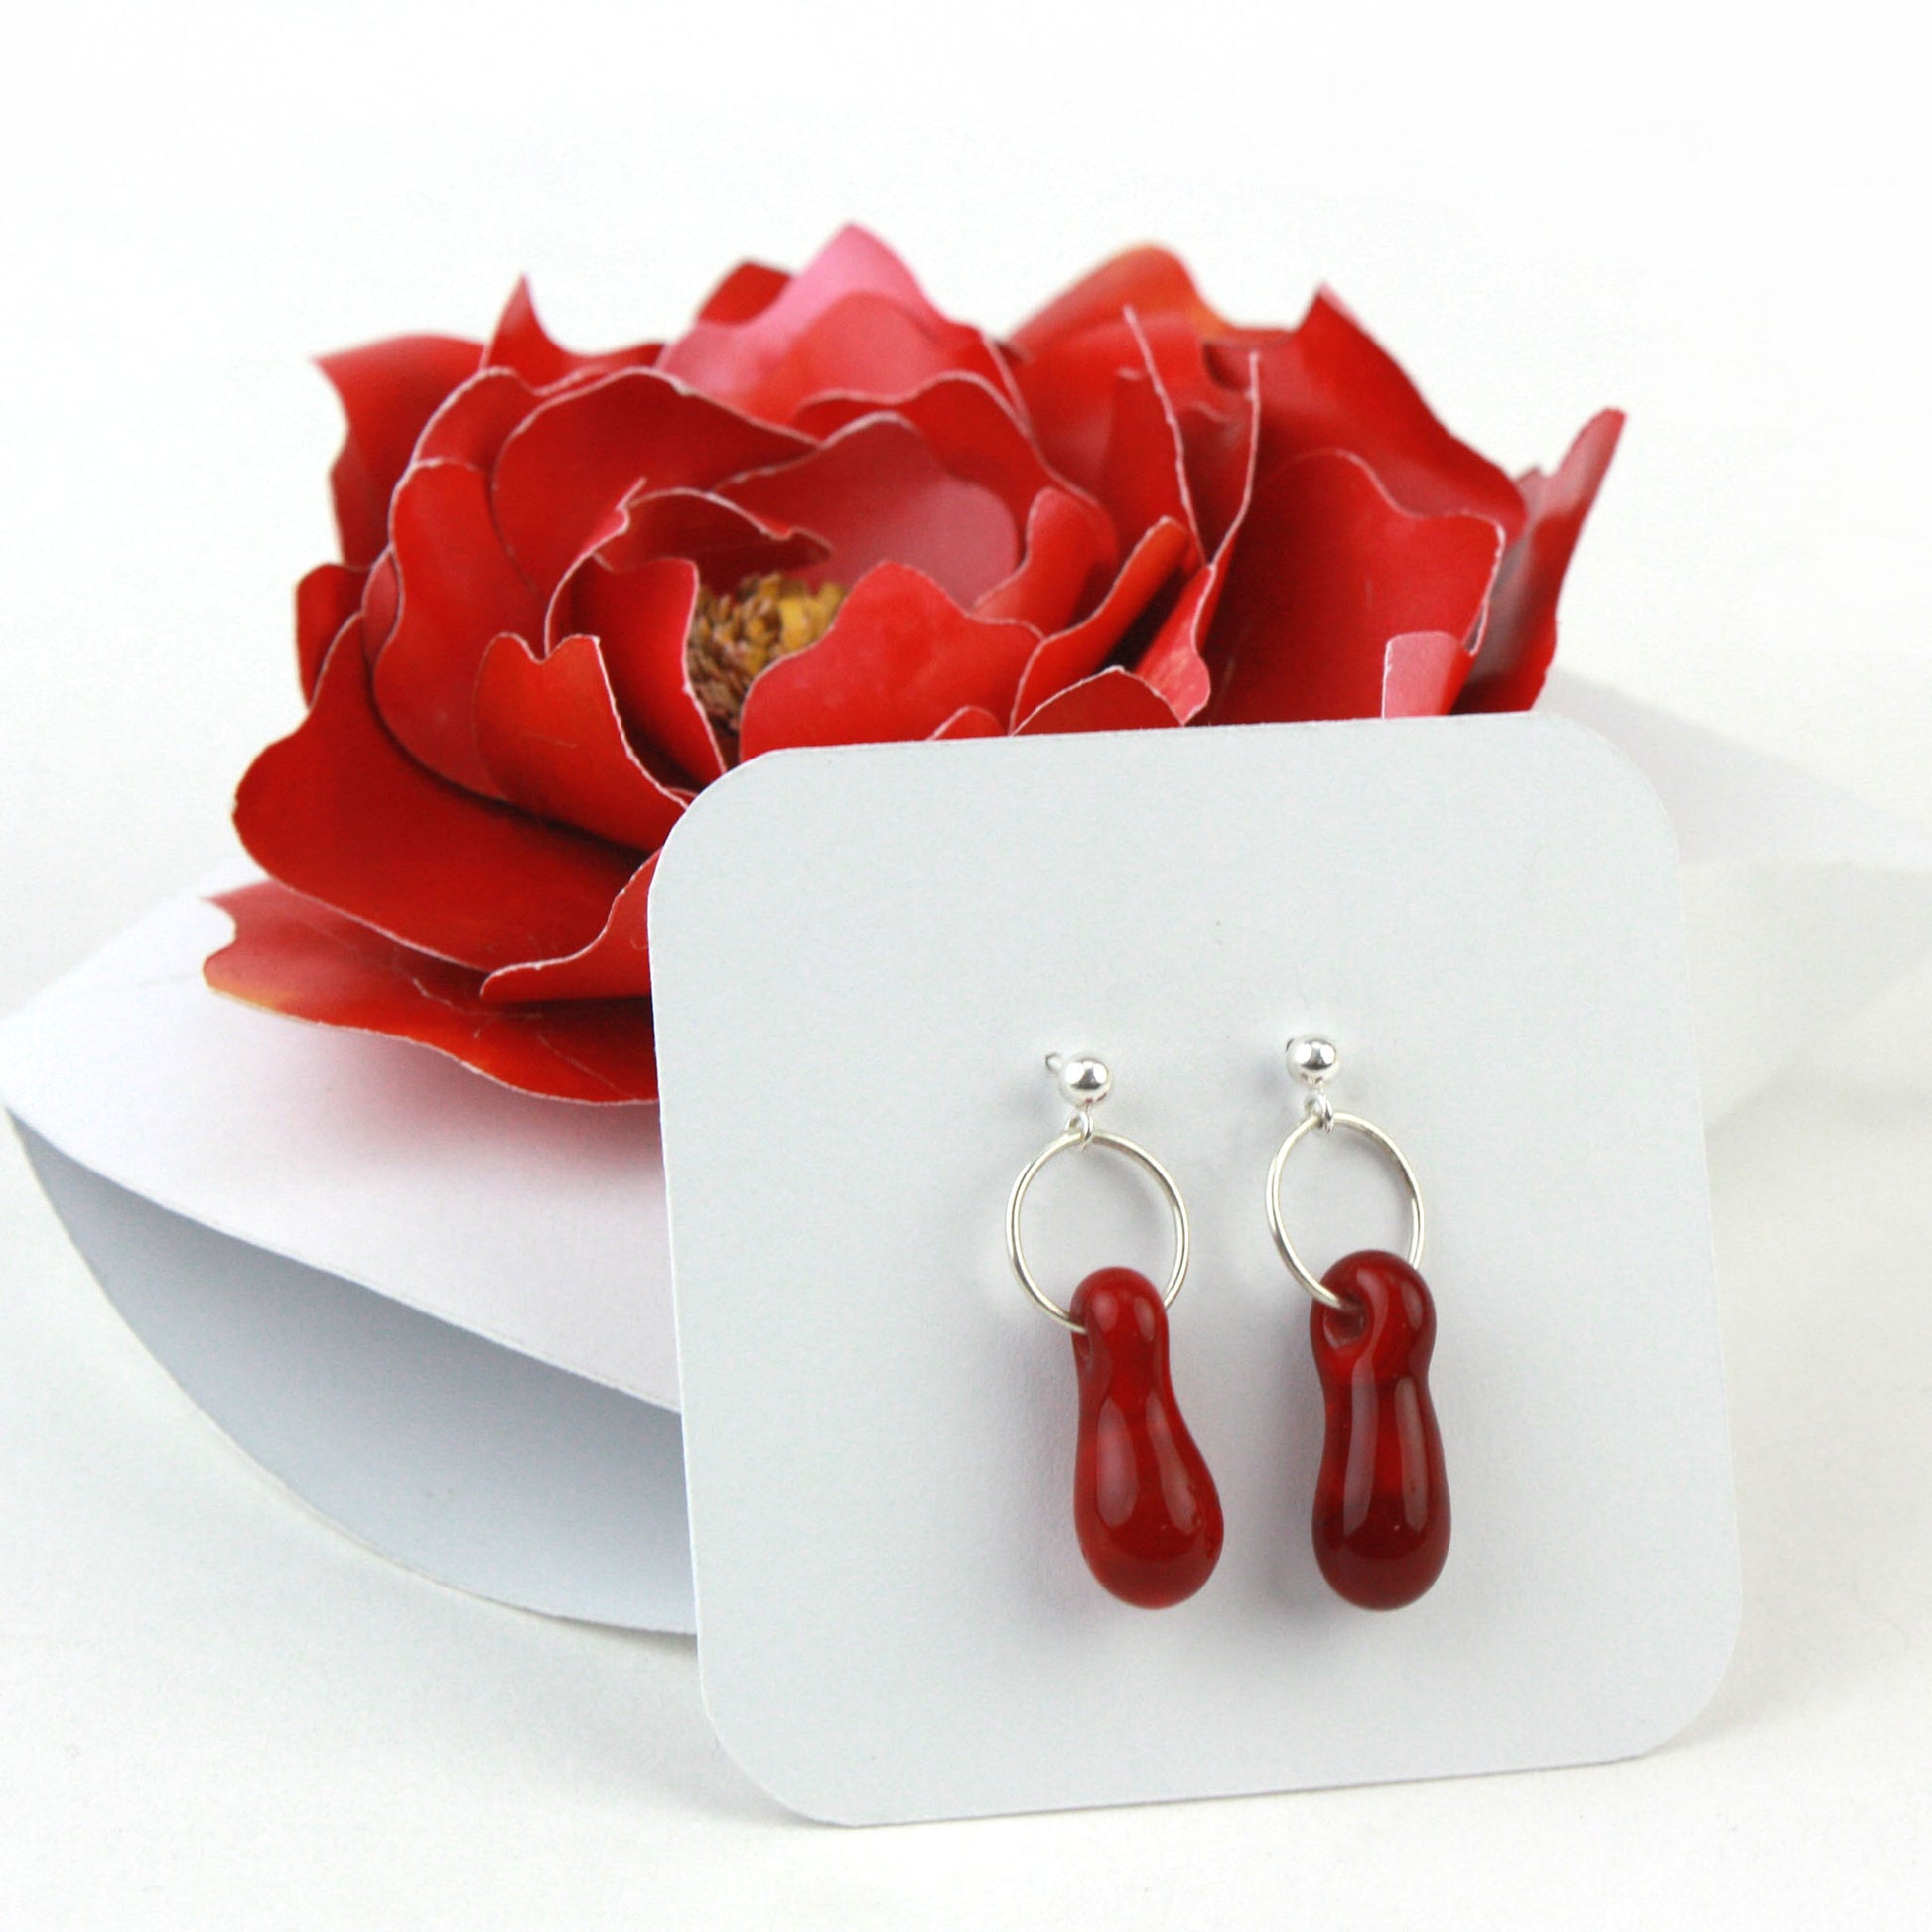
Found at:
(459, 1459)
(1801, 903)
(894, 1619)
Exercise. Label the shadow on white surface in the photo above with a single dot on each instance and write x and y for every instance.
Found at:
(464, 1461)
(1822, 1216)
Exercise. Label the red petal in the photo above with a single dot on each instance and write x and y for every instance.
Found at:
(475, 421)
(381, 596)
(1068, 546)
(726, 542)
(971, 721)
(549, 733)
(854, 320)
(1328, 385)
(1178, 358)
(340, 812)
(1175, 664)
(749, 290)
(1143, 475)
(643, 618)
(458, 591)
(615, 965)
(1221, 446)
(292, 957)
(971, 428)
(522, 344)
(1423, 673)
(1071, 654)
(1327, 571)
(1520, 638)
(1070, 396)
(900, 659)
(565, 472)
(868, 345)
(875, 494)
(1150, 280)
(1115, 701)
(388, 391)
(1105, 414)
(325, 601)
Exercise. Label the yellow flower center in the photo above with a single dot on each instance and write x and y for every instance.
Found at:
(735, 634)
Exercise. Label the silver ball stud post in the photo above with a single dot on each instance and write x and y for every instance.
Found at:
(1083, 1081)
(1312, 1061)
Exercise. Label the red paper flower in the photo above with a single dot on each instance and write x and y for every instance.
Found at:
(575, 589)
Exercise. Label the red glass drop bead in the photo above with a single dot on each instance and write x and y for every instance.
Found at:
(1145, 1507)
(1381, 1500)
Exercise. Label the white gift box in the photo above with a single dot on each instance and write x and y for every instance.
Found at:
(439, 1310)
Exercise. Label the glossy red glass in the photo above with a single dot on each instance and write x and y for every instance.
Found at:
(1144, 1506)
(1381, 1500)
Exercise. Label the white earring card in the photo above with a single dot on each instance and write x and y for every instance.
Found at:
(862, 957)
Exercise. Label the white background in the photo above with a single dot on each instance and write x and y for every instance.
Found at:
(213, 1710)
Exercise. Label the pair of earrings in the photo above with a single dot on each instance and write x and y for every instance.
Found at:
(1144, 1506)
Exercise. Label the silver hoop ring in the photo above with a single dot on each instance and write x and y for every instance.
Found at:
(1312, 1121)
(1085, 1134)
